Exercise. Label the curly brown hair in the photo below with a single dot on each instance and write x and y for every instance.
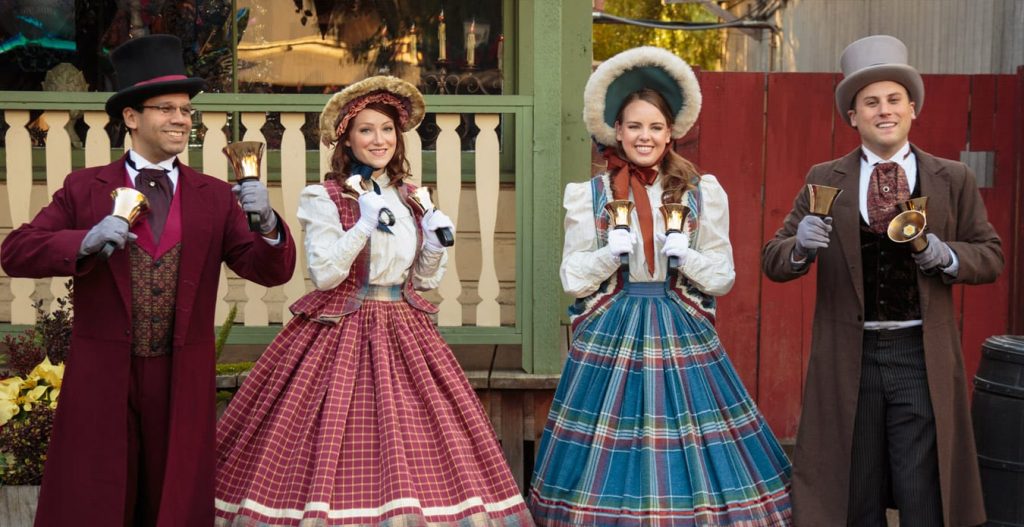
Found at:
(341, 159)
(680, 173)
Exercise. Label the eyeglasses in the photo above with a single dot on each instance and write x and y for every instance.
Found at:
(167, 109)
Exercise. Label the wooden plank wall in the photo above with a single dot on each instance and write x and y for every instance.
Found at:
(760, 133)
(942, 36)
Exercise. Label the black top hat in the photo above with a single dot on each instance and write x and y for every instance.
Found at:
(149, 66)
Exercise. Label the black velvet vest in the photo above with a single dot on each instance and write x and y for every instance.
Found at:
(890, 276)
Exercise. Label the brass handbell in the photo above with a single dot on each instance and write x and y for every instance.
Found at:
(619, 211)
(129, 204)
(920, 204)
(674, 215)
(421, 196)
(356, 184)
(821, 199)
(245, 157)
(908, 227)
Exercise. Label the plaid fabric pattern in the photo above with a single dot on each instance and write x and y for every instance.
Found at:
(650, 425)
(366, 422)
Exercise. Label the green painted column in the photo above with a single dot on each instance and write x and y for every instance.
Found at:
(555, 67)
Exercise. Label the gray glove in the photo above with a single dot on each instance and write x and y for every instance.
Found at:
(937, 254)
(110, 229)
(253, 197)
(812, 234)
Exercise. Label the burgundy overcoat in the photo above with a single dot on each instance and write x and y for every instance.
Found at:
(86, 469)
(821, 461)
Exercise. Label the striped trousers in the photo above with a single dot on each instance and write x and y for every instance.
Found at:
(894, 460)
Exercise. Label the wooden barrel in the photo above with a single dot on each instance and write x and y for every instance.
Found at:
(998, 411)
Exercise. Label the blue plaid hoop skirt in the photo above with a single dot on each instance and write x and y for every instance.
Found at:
(650, 425)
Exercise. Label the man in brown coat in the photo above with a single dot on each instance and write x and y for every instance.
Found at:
(885, 417)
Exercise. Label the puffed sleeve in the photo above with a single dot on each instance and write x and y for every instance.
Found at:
(429, 269)
(709, 265)
(330, 249)
(584, 265)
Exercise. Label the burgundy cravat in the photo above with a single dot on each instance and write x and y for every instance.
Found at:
(156, 186)
(887, 188)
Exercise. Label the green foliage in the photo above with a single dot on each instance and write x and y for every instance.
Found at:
(232, 368)
(701, 48)
(225, 331)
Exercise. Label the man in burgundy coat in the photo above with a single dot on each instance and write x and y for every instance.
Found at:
(133, 440)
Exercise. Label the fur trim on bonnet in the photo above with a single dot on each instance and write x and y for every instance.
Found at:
(345, 104)
(630, 71)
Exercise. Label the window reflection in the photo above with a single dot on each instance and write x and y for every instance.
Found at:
(302, 46)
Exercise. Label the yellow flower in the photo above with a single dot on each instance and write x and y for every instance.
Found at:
(49, 373)
(8, 409)
(10, 388)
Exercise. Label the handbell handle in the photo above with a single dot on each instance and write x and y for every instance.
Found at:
(129, 204)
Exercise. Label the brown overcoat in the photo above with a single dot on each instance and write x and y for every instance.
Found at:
(821, 464)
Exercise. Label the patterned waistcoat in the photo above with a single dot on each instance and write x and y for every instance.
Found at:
(154, 289)
(330, 306)
(677, 283)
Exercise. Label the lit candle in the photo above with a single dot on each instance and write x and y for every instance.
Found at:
(471, 43)
(442, 54)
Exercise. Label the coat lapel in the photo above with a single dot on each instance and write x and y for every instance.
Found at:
(110, 178)
(934, 183)
(197, 221)
(846, 216)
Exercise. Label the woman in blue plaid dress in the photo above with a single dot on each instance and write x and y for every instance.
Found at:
(650, 424)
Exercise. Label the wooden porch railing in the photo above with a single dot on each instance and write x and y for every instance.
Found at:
(480, 297)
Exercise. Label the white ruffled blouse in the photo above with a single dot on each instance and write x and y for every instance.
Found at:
(330, 249)
(709, 263)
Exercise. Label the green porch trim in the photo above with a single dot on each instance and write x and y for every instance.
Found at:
(554, 69)
(254, 102)
(262, 335)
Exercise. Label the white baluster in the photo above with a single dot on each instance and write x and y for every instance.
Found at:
(293, 180)
(256, 311)
(19, 193)
(449, 188)
(216, 165)
(58, 166)
(488, 313)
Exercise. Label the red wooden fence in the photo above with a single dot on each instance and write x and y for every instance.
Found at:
(760, 133)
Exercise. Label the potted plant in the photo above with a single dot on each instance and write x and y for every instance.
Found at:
(30, 381)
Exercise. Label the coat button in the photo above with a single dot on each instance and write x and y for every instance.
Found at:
(127, 332)
(155, 320)
(157, 291)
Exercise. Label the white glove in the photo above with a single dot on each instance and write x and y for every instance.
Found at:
(937, 254)
(812, 234)
(677, 244)
(370, 205)
(431, 221)
(110, 229)
(620, 241)
(253, 197)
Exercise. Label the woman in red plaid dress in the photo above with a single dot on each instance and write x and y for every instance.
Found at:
(358, 413)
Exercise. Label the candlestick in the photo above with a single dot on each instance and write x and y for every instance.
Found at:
(442, 53)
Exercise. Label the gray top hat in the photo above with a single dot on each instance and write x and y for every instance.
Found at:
(873, 59)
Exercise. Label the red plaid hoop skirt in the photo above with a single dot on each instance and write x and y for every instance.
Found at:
(367, 422)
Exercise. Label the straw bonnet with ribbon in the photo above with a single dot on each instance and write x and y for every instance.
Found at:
(346, 104)
(146, 67)
(611, 83)
(630, 71)
(874, 59)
